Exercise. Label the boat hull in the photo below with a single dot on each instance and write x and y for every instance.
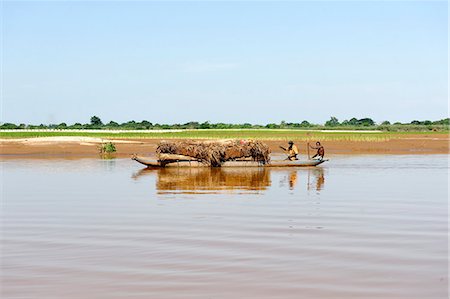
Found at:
(152, 163)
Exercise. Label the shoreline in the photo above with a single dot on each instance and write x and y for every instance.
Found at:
(87, 147)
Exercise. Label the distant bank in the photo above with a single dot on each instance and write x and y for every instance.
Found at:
(20, 144)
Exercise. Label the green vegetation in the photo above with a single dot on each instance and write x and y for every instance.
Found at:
(332, 124)
(264, 134)
(107, 148)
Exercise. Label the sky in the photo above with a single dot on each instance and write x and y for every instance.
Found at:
(233, 62)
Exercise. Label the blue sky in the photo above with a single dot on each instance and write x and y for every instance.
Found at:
(257, 62)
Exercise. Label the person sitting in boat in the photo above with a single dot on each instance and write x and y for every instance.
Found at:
(292, 151)
(320, 151)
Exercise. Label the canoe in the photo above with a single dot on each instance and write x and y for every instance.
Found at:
(153, 163)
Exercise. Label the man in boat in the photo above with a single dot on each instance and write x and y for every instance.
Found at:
(292, 151)
(320, 151)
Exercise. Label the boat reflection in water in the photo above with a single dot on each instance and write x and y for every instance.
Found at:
(225, 180)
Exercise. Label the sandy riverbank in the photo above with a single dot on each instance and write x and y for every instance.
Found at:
(73, 147)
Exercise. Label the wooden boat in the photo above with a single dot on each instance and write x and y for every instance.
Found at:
(190, 162)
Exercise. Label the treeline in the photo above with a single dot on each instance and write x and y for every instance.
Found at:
(332, 123)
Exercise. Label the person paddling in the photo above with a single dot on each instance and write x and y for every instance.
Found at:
(320, 151)
(292, 151)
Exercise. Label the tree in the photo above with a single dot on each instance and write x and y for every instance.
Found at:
(272, 126)
(112, 124)
(147, 125)
(77, 126)
(205, 125)
(129, 125)
(305, 124)
(366, 122)
(445, 121)
(96, 121)
(192, 125)
(385, 123)
(9, 126)
(221, 126)
(353, 122)
(333, 122)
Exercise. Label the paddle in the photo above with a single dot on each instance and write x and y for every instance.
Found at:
(285, 149)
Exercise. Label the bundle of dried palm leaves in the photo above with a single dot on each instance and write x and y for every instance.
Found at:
(215, 153)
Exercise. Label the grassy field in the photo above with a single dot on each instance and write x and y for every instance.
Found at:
(263, 134)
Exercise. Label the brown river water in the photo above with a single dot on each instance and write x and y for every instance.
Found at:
(358, 227)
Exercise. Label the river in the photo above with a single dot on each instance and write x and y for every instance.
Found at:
(358, 227)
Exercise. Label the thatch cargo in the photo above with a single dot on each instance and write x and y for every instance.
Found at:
(214, 153)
